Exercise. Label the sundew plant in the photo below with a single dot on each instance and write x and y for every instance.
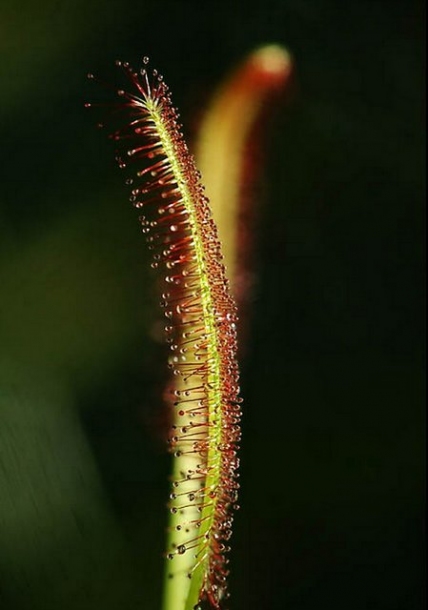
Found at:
(176, 217)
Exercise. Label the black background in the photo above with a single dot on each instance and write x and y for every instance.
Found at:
(332, 468)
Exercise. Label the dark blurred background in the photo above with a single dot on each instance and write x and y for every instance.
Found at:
(332, 457)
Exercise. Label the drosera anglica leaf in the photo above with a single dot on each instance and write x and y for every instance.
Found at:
(201, 332)
(227, 151)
